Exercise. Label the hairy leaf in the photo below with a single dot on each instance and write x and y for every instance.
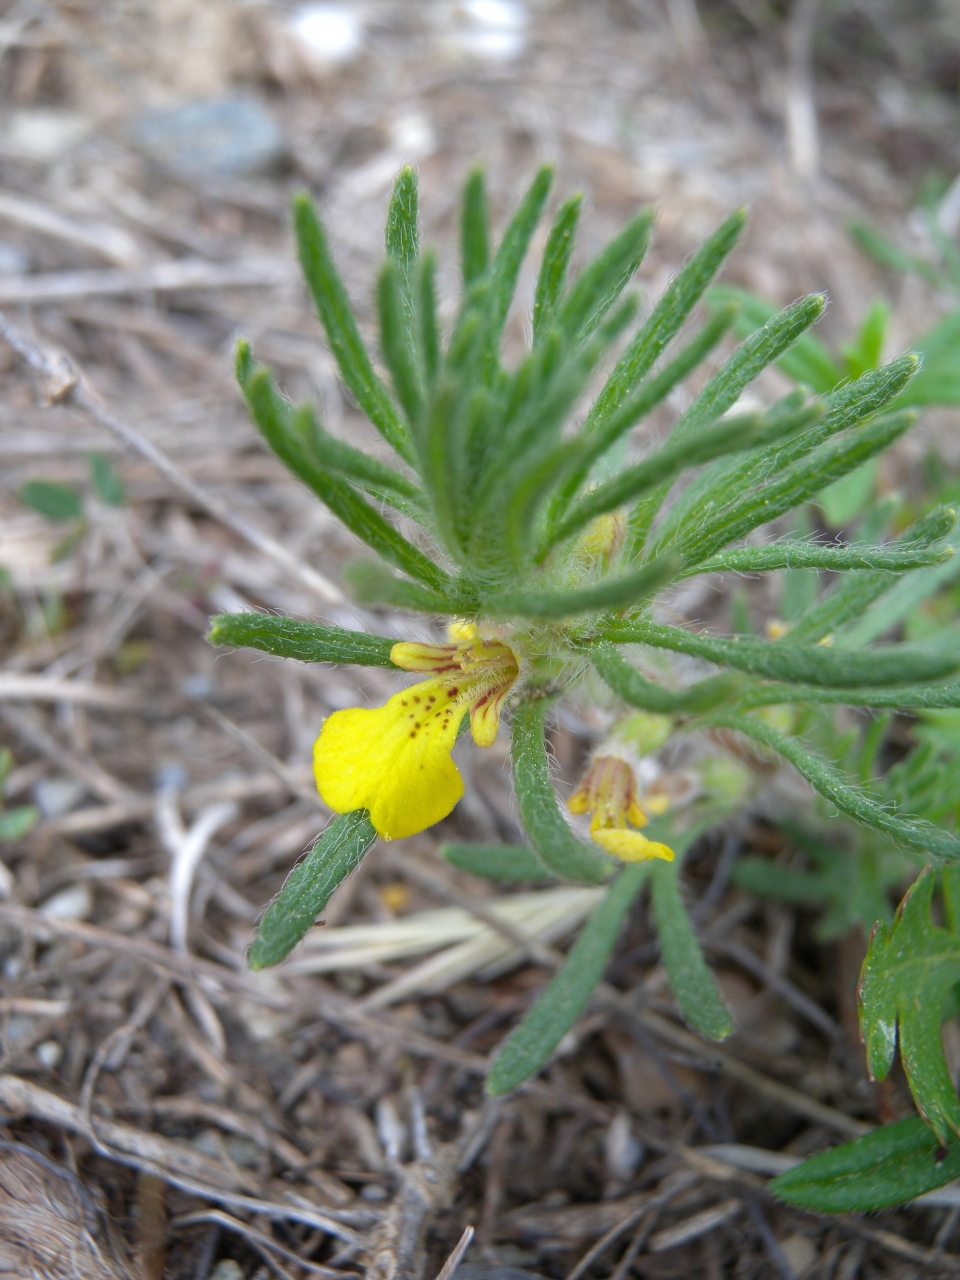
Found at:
(612, 593)
(530, 1045)
(905, 830)
(553, 267)
(807, 555)
(333, 307)
(813, 663)
(497, 861)
(272, 415)
(304, 641)
(474, 237)
(337, 852)
(551, 837)
(637, 691)
(692, 983)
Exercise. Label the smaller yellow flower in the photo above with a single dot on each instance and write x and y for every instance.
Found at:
(395, 760)
(609, 792)
(602, 539)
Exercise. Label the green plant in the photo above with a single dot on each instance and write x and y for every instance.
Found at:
(548, 549)
(62, 504)
(15, 822)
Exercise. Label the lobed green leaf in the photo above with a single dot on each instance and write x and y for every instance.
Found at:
(878, 1171)
(909, 972)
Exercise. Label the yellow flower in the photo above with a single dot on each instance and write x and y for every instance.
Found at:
(395, 760)
(609, 792)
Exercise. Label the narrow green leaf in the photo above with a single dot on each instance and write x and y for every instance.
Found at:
(106, 483)
(665, 464)
(692, 982)
(795, 485)
(750, 359)
(600, 284)
(616, 592)
(534, 429)
(808, 361)
(867, 352)
(428, 329)
(474, 237)
(372, 582)
(906, 698)
(604, 434)
(938, 381)
(55, 501)
(674, 305)
(878, 1171)
(497, 861)
(753, 355)
(396, 342)
(551, 837)
(336, 852)
(807, 555)
(639, 692)
(852, 596)
(529, 1046)
(906, 831)
(369, 473)
(810, 664)
(889, 255)
(272, 415)
(402, 232)
(514, 245)
(305, 641)
(727, 482)
(333, 308)
(554, 265)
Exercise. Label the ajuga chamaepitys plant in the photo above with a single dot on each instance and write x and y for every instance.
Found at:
(543, 546)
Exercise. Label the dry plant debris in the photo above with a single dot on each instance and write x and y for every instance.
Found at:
(166, 1113)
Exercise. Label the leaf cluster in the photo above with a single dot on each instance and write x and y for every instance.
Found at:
(524, 509)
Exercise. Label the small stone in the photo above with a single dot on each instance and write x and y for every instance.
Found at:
(221, 139)
(73, 903)
(13, 260)
(800, 1253)
(227, 1269)
(373, 1192)
(328, 34)
(58, 796)
(50, 1054)
(622, 1151)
